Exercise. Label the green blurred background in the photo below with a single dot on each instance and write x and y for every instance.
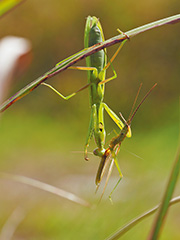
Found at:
(43, 136)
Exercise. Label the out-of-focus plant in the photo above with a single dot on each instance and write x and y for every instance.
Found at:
(7, 5)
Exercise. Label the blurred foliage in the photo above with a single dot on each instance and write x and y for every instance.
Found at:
(7, 5)
(40, 132)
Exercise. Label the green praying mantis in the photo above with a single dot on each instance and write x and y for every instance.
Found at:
(96, 65)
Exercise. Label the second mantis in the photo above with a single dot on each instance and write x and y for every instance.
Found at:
(110, 155)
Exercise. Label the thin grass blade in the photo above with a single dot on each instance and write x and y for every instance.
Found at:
(46, 187)
(13, 222)
(158, 223)
(119, 233)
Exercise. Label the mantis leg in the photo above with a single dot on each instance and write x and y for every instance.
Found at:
(117, 165)
(110, 63)
(90, 130)
(96, 127)
(115, 118)
(119, 170)
(79, 90)
(60, 94)
(115, 55)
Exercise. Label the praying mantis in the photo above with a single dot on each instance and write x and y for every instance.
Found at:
(96, 65)
(111, 152)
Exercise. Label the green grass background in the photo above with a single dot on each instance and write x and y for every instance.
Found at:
(43, 136)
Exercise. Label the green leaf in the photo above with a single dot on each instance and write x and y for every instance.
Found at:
(7, 5)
